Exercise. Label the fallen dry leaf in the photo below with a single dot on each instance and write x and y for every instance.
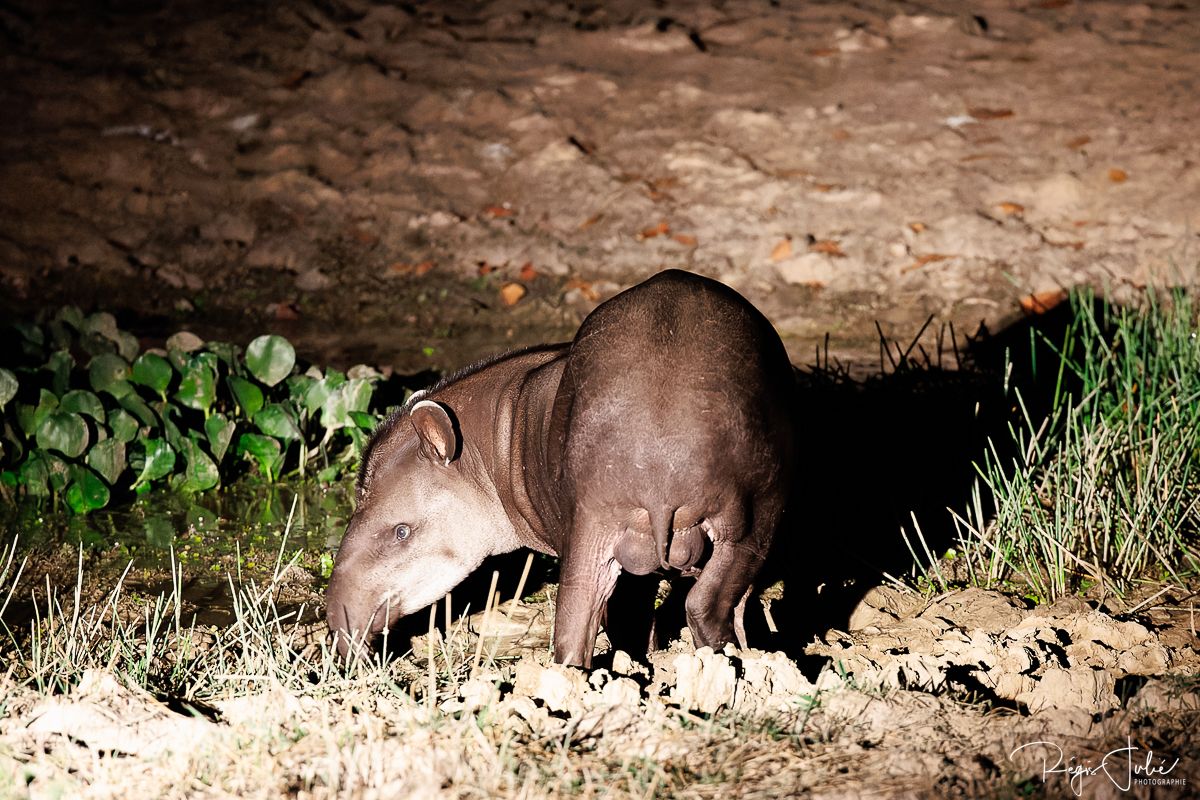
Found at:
(782, 250)
(1117, 175)
(1078, 142)
(661, 229)
(828, 187)
(528, 273)
(822, 52)
(485, 268)
(928, 258)
(511, 293)
(496, 212)
(1041, 302)
(1011, 209)
(917, 227)
(685, 240)
(590, 221)
(827, 246)
(979, 112)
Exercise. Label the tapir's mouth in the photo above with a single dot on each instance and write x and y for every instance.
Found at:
(353, 637)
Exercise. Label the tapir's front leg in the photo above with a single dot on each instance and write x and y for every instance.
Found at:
(587, 575)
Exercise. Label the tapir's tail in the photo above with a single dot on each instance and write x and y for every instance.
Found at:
(660, 526)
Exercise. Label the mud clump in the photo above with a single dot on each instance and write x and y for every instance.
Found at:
(1066, 655)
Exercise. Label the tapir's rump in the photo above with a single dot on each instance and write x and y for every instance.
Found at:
(660, 438)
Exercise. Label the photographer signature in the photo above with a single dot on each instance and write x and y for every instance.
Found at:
(1121, 766)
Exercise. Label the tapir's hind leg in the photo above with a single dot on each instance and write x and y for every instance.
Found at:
(716, 604)
(587, 575)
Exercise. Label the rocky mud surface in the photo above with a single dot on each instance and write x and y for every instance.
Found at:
(922, 697)
(416, 184)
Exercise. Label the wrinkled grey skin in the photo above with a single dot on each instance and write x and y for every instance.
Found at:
(660, 435)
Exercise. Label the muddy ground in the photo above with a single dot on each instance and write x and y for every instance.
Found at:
(966, 694)
(419, 184)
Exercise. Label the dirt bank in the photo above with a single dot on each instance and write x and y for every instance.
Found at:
(368, 177)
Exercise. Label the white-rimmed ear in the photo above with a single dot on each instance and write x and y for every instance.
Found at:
(439, 439)
(415, 397)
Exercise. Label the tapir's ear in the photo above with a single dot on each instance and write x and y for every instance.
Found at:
(439, 435)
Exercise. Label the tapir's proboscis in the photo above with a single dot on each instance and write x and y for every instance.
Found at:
(660, 438)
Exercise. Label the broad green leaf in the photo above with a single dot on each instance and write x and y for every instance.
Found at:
(354, 395)
(81, 401)
(171, 431)
(107, 458)
(101, 324)
(270, 358)
(62, 336)
(265, 450)
(364, 372)
(30, 333)
(158, 461)
(200, 472)
(247, 394)
(30, 418)
(219, 430)
(122, 424)
(34, 475)
(86, 492)
(71, 315)
(186, 341)
(99, 333)
(198, 386)
(153, 371)
(127, 345)
(65, 432)
(57, 469)
(276, 420)
(136, 406)
(329, 474)
(364, 419)
(316, 394)
(60, 365)
(225, 351)
(26, 418)
(8, 387)
(12, 447)
(107, 372)
(297, 386)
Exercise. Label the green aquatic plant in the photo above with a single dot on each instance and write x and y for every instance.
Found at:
(86, 413)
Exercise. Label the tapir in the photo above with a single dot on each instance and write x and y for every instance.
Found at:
(659, 438)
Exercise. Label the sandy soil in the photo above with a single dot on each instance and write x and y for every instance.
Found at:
(368, 178)
(968, 694)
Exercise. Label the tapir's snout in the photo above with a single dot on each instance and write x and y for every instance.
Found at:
(352, 616)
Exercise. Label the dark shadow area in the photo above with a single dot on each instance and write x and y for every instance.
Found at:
(876, 452)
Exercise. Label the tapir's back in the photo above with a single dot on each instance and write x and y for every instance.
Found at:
(681, 373)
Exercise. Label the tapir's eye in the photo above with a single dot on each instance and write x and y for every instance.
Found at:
(402, 532)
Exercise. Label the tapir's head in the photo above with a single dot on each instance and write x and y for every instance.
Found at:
(426, 518)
